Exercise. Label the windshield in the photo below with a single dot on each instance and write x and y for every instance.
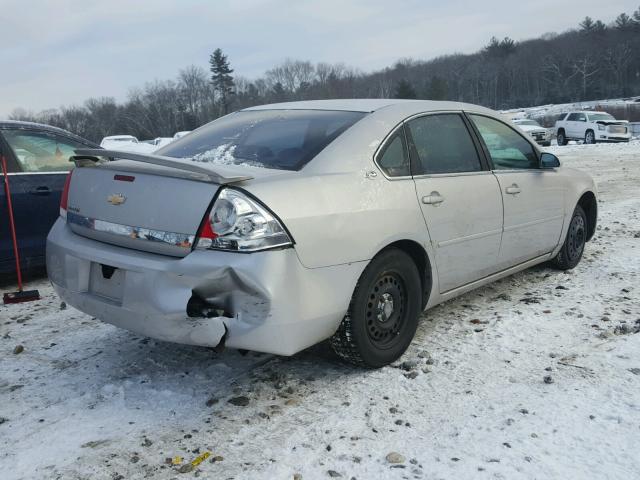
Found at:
(281, 139)
(600, 116)
(528, 122)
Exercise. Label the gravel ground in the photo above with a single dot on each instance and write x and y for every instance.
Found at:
(535, 376)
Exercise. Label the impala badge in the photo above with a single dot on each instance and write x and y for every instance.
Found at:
(116, 199)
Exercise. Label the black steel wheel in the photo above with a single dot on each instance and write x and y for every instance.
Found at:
(383, 313)
(385, 310)
(573, 246)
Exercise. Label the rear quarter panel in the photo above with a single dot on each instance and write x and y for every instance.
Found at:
(338, 218)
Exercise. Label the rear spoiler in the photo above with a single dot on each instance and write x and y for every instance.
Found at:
(90, 156)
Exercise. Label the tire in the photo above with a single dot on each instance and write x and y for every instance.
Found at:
(571, 252)
(383, 314)
(589, 137)
(562, 139)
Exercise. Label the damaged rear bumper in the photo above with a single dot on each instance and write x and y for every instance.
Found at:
(272, 303)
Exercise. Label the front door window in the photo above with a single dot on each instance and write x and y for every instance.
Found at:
(508, 149)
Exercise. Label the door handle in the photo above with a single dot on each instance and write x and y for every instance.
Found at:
(513, 189)
(434, 198)
(43, 190)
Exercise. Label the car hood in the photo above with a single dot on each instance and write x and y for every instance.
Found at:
(532, 128)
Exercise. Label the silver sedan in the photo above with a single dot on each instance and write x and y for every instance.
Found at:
(279, 226)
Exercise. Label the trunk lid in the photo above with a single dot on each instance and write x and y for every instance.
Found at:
(145, 207)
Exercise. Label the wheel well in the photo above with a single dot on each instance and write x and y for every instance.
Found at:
(589, 204)
(421, 259)
(561, 130)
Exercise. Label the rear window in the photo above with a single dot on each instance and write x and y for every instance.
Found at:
(280, 139)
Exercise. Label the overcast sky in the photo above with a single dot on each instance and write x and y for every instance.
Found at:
(62, 52)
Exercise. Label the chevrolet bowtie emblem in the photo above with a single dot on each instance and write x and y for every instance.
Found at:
(116, 199)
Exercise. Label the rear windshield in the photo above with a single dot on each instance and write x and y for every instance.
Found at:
(281, 139)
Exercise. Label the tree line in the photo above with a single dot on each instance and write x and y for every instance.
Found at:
(592, 61)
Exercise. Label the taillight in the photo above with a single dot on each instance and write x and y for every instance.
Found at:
(64, 199)
(206, 233)
(240, 223)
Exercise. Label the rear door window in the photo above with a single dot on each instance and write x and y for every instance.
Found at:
(281, 139)
(41, 151)
(442, 144)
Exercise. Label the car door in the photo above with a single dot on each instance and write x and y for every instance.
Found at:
(533, 198)
(42, 161)
(579, 126)
(570, 125)
(459, 197)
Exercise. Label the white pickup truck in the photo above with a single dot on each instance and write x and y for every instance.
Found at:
(591, 127)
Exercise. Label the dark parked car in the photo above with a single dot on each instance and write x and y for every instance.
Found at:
(38, 162)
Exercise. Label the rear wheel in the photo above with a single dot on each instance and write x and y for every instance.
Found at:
(571, 252)
(383, 313)
(562, 139)
(589, 137)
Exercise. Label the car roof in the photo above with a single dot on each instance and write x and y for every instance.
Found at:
(19, 124)
(366, 105)
(116, 137)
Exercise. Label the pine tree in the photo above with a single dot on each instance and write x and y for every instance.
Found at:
(599, 27)
(500, 48)
(221, 78)
(587, 25)
(623, 22)
(279, 93)
(438, 89)
(405, 90)
(507, 46)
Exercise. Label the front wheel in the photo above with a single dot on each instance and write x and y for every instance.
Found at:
(571, 252)
(383, 313)
(562, 139)
(589, 137)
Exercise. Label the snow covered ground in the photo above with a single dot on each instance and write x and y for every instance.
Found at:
(468, 400)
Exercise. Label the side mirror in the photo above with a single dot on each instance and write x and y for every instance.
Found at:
(549, 160)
